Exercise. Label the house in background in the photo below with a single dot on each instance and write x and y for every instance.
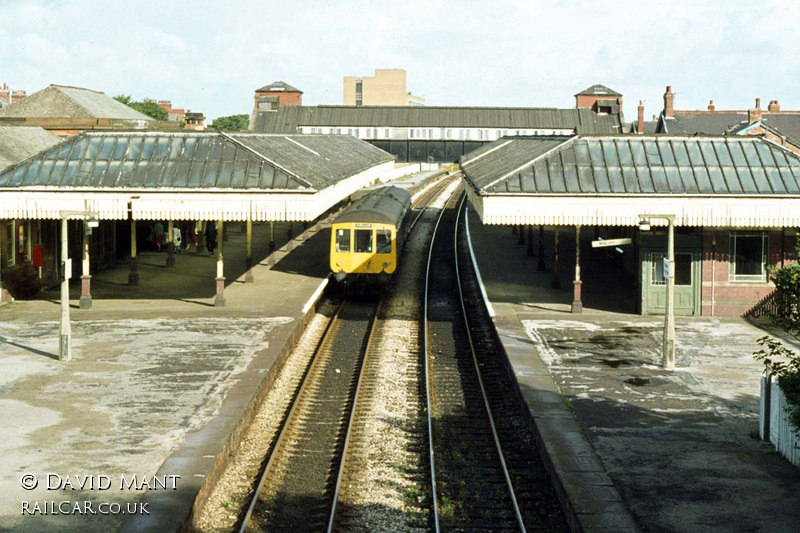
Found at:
(11, 97)
(66, 111)
(175, 114)
(779, 126)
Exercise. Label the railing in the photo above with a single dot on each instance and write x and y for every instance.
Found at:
(767, 307)
(774, 423)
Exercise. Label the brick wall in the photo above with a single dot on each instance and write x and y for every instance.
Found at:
(734, 298)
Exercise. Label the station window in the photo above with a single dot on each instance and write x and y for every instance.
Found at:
(383, 241)
(363, 241)
(683, 269)
(342, 240)
(749, 256)
(386, 134)
(430, 134)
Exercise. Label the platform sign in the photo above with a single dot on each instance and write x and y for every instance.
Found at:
(665, 268)
(611, 242)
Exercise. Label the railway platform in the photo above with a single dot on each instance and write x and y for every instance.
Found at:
(635, 447)
(157, 386)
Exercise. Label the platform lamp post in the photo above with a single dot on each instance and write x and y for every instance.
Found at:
(668, 347)
(65, 332)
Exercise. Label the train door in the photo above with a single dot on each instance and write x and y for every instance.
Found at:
(363, 248)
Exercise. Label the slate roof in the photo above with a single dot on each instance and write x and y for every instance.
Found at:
(195, 161)
(20, 142)
(60, 101)
(614, 165)
(597, 89)
(279, 86)
(716, 123)
(3, 103)
(288, 118)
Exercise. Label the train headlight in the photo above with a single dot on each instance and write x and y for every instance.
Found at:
(386, 265)
(338, 263)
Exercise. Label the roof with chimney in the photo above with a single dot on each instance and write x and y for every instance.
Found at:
(598, 90)
(287, 119)
(3, 103)
(783, 124)
(20, 142)
(61, 101)
(279, 86)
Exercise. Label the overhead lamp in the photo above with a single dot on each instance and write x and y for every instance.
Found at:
(644, 225)
(92, 222)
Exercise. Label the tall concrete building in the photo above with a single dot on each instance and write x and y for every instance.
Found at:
(387, 87)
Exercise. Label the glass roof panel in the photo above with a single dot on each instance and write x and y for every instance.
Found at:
(709, 155)
(94, 147)
(84, 173)
(134, 148)
(748, 185)
(674, 181)
(112, 173)
(228, 151)
(162, 148)
(69, 173)
(528, 183)
(98, 171)
(512, 184)
(556, 175)
(760, 178)
(701, 177)
(780, 157)
(681, 156)
(216, 149)
(106, 148)
(31, 170)
(736, 154)
(659, 179)
(79, 148)
(253, 174)
(596, 153)
(176, 147)
(153, 177)
(717, 179)
(120, 148)
(65, 149)
(789, 181)
(750, 153)
(571, 178)
(667, 157)
(202, 148)
(645, 181)
(615, 179)
(189, 147)
(196, 174)
(722, 153)
(148, 147)
(267, 176)
(732, 180)
(126, 176)
(629, 178)
(775, 180)
(541, 176)
(695, 156)
(765, 153)
(57, 173)
(581, 151)
(139, 174)
(651, 151)
(44, 172)
(225, 174)
(637, 149)
(688, 179)
(168, 176)
(181, 177)
(625, 155)
(610, 153)
(239, 173)
(281, 180)
(601, 179)
(211, 174)
(586, 179)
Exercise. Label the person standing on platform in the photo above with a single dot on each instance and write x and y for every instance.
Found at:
(177, 241)
(158, 229)
(211, 237)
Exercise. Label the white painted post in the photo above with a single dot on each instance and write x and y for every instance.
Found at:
(65, 335)
(669, 311)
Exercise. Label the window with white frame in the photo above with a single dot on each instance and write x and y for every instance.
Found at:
(749, 256)
(430, 134)
(387, 134)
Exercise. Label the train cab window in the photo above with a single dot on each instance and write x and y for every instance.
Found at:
(363, 241)
(342, 240)
(383, 241)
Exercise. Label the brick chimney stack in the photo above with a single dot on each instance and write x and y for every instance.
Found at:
(5, 93)
(754, 115)
(18, 95)
(711, 105)
(640, 125)
(669, 100)
(774, 106)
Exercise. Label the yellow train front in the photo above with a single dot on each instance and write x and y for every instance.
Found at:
(366, 238)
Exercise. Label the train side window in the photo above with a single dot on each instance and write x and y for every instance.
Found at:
(363, 241)
(342, 240)
(383, 241)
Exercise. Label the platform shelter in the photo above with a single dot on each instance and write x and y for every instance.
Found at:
(207, 179)
(735, 203)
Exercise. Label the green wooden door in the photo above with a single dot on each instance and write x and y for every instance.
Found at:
(687, 276)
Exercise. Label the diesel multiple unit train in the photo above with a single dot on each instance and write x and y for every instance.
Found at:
(366, 238)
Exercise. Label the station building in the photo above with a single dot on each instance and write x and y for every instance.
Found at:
(735, 202)
(125, 179)
(442, 134)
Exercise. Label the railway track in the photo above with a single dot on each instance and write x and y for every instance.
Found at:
(485, 473)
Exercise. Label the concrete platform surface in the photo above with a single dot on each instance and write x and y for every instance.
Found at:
(159, 378)
(674, 451)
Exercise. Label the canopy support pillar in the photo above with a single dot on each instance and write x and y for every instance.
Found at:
(531, 252)
(248, 277)
(219, 300)
(271, 256)
(86, 278)
(521, 234)
(133, 275)
(170, 245)
(540, 264)
(577, 303)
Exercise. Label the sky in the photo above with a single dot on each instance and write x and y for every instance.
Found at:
(211, 56)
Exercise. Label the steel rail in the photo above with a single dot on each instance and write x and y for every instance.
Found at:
(350, 424)
(461, 207)
(287, 420)
(427, 371)
(435, 192)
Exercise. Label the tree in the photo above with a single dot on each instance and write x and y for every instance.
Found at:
(231, 123)
(147, 107)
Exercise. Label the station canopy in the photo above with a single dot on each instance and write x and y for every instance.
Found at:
(612, 180)
(191, 176)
